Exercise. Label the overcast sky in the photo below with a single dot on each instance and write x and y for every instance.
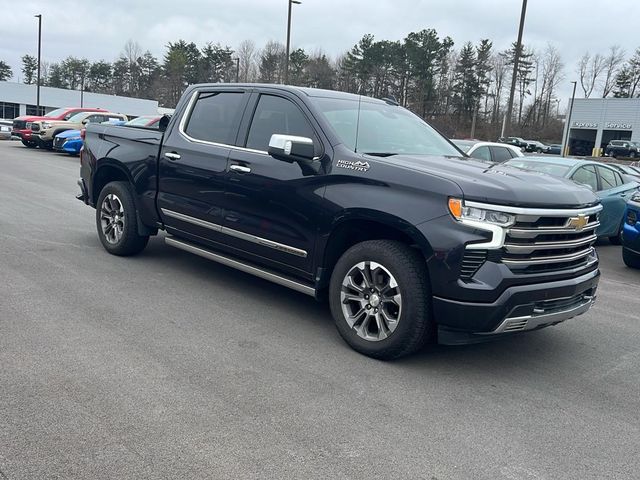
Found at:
(98, 29)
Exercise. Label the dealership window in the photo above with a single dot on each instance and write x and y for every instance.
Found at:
(9, 111)
(33, 110)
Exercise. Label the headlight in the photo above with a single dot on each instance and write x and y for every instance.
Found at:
(46, 125)
(636, 197)
(461, 212)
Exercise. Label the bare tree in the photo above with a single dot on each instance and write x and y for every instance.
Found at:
(552, 75)
(247, 54)
(590, 68)
(498, 74)
(613, 62)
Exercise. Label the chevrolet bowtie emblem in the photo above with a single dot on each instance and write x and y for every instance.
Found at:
(579, 222)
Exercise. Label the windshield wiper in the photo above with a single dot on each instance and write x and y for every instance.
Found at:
(380, 154)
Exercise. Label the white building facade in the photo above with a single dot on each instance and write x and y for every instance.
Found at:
(596, 121)
(17, 99)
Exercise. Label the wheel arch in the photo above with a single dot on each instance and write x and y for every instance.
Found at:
(359, 226)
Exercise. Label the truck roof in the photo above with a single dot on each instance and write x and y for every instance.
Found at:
(310, 92)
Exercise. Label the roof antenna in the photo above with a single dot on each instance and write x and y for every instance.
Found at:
(358, 122)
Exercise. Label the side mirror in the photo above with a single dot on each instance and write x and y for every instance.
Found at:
(290, 148)
(85, 121)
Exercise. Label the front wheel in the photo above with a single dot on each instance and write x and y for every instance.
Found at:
(29, 144)
(380, 299)
(630, 259)
(116, 220)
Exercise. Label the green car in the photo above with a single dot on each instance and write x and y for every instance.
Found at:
(613, 188)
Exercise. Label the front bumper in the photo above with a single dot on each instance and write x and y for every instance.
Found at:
(631, 232)
(518, 309)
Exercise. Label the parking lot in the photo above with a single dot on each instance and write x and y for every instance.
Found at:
(167, 366)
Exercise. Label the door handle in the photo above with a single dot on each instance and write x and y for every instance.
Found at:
(173, 156)
(240, 168)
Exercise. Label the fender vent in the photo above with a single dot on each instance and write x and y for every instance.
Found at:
(471, 263)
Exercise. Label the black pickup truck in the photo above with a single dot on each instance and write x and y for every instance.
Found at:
(353, 200)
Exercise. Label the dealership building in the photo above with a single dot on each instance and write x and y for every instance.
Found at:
(18, 99)
(596, 121)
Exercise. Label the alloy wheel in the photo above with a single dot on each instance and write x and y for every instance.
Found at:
(371, 301)
(112, 218)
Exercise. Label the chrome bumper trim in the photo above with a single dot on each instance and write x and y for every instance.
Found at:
(531, 322)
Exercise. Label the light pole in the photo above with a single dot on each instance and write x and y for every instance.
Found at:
(39, 17)
(237, 60)
(286, 60)
(567, 136)
(516, 64)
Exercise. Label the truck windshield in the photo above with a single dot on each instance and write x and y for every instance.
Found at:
(376, 128)
(55, 113)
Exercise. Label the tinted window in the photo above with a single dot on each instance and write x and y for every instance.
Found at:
(501, 154)
(609, 178)
(586, 176)
(215, 117)
(276, 115)
(482, 153)
(95, 118)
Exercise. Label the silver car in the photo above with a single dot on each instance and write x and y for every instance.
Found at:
(5, 129)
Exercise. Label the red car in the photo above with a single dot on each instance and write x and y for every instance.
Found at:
(22, 125)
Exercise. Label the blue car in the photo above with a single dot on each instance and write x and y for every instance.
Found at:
(613, 188)
(68, 141)
(631, 233)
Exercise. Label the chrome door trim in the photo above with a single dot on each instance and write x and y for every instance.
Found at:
(236, 233)
(272, 277)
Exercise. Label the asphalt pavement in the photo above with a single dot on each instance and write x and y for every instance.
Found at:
(168, 366)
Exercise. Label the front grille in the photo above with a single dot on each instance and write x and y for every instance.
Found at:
(19, 124)
(58, 142)
(35, 127)
(549, 243)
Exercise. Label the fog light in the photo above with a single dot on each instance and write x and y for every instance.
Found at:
(632, 217)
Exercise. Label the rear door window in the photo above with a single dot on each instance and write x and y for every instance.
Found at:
(609, 178)
(215, 117)
(500, 154)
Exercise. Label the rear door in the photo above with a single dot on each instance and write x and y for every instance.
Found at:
(193, 163)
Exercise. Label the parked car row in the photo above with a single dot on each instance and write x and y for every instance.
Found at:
(62, 129)
(532, 146)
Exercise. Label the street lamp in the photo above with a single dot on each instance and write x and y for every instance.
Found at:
(565, 144)
(237, 60)
(39, 17)
(286, 60)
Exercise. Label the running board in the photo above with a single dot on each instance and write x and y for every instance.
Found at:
(243, 267)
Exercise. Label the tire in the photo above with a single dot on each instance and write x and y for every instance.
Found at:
(29, 144)
(632, 155)
(404, 311)
(539, 150)
(616, 240)
(116, 209)
(630, 259)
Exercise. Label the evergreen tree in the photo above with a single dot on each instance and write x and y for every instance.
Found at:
(5, 71)
(29, 69)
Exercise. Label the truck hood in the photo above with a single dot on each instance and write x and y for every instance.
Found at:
(500, 184)
(26, 118)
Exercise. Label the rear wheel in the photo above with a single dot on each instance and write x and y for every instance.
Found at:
(116, 220)
(380, 299)
(630, 258)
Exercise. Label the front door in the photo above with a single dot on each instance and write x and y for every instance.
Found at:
(193, 164)
(271, 204)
